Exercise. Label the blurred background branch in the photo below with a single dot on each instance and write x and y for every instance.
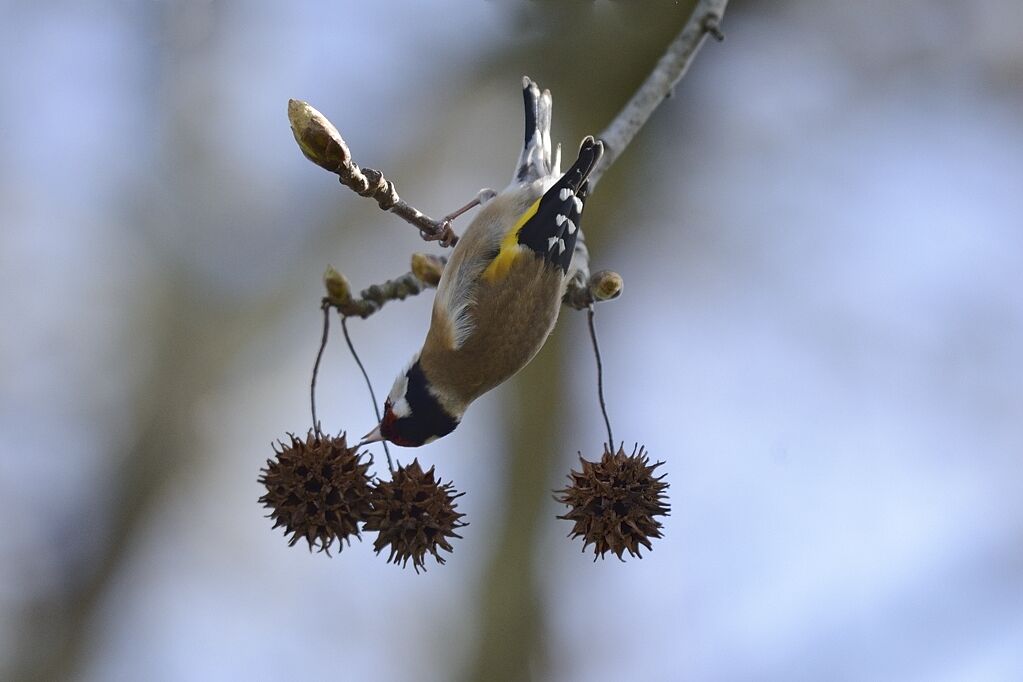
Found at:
(661, 82)
(511, 645)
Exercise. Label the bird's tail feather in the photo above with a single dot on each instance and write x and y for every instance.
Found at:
(535, 161)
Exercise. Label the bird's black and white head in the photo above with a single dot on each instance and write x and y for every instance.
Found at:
(413, 415)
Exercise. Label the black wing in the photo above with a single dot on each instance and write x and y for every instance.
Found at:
(552, 230)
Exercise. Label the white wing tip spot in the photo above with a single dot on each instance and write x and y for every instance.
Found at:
(551, 241)
(560, 218)
(565, 193)
(561, 246)
(578, 204)
(571, 226)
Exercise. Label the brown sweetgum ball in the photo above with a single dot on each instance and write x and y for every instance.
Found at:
(614, 502)
(414, 515)
(318, 489)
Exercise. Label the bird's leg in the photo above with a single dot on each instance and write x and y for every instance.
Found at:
(447, 236)
(482, 197)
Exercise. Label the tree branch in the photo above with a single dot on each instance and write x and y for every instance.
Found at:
(660, 83)
(425, 274)
(323, 145)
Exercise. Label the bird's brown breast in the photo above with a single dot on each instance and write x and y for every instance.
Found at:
(511, 320)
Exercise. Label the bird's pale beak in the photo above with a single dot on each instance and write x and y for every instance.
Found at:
(373, 436)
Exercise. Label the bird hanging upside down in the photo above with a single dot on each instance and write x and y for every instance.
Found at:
(501, 290)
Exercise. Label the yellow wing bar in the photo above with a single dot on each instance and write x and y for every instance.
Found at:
(510, 247)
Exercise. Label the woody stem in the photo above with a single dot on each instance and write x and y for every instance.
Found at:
(369, 385)
(600, 377)
(316, 366)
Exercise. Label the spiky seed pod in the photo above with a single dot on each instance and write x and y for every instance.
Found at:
(613, 502)
(318, 489)
(414, 514)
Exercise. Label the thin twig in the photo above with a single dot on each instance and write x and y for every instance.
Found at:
(600, 377)
(372, 298)
(581, 291)
(369, 385)
(669, 70)
(425, 273)
(322, 144)
(662, 81)
(316, 366)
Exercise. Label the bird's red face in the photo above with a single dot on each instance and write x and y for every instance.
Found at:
(412, 414)
(391, 428)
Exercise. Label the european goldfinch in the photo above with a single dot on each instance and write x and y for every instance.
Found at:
(499, 296)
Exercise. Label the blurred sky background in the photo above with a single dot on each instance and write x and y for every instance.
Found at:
(821, 334)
